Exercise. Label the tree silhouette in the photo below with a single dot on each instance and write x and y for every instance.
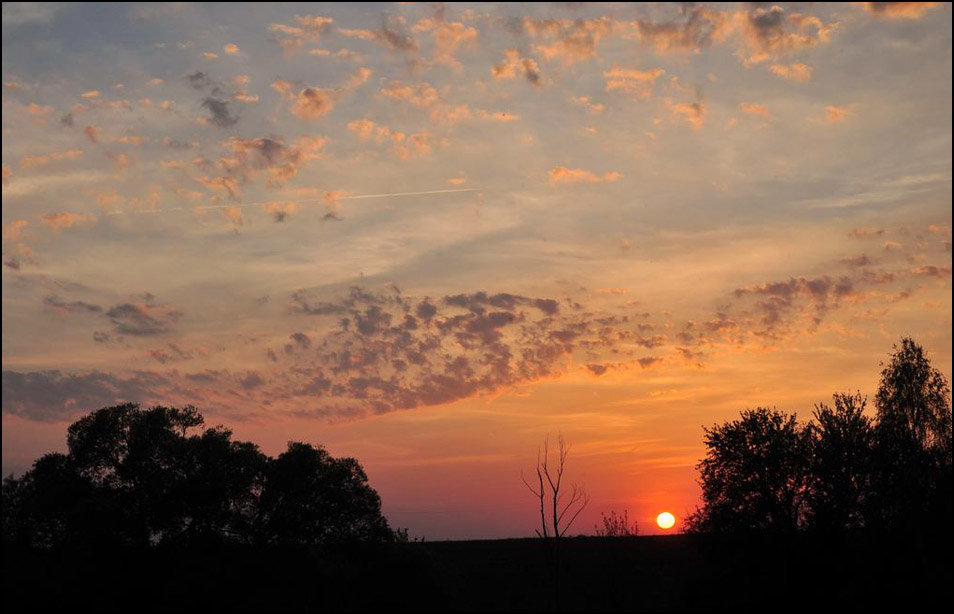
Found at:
(840, 471)
(557, 511)
(912, 451)
(140, 477)
(311, 498)
(754, 475)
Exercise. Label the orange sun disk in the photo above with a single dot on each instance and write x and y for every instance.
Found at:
(665, 520)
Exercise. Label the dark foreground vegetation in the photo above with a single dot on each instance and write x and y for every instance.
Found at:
(671, 573)
(149, 511)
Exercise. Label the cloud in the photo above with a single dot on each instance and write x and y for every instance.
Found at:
(562, 174)
(769, 32)
(638, 83)
(752, 108)
(514, 65)
(776, 300)
(13, 231)
(62, 306)
(570, 41)
(693, 30)
(899, 10)
(143, 319)
(313, 102)
(28, 162)
(402, 145)
(389, 35)
(420, 94)
(54, 395)
(692, 113)
(835, 113)
(447, 36)
(593, 108)
(386, 351)
(220, 114)
(168, 354)
(246, 159)
(280, 211)
(65, 219)
(309, 28)
(793, 72)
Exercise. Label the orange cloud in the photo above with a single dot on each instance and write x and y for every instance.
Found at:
(513, 64)
(793, 72)
(14, 230)
(497, 116)
(573, 40)
(562, 174)
(55, 156)
(402, 145)
(65, 219)
(39, 110)
(693, 113)
(420, 94)
(638, 83)
(835, 114)
(700, 26)
(310, 27)
(233, 214)
(313, 102)
(447, 37)
(594, 108)
(751, 108)
(771, 32)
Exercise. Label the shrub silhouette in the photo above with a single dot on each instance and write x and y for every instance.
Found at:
(616, 525)
(141, 477)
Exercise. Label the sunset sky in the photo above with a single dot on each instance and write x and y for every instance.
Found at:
(426, 236)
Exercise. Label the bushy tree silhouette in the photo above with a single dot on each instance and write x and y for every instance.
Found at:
(140, 477)
(754, 475)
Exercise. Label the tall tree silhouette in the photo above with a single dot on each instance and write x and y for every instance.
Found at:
(912, 440)
(840, 471)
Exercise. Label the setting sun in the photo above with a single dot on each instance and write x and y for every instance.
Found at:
(665, 520)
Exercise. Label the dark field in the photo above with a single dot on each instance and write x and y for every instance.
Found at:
(671, 573)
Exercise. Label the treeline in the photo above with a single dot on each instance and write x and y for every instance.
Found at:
(138, 477)
(766, 473)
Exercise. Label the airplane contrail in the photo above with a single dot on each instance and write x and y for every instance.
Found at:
(304, 200)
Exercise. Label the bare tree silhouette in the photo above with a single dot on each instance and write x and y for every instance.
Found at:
(549, 490)
(563, 510)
